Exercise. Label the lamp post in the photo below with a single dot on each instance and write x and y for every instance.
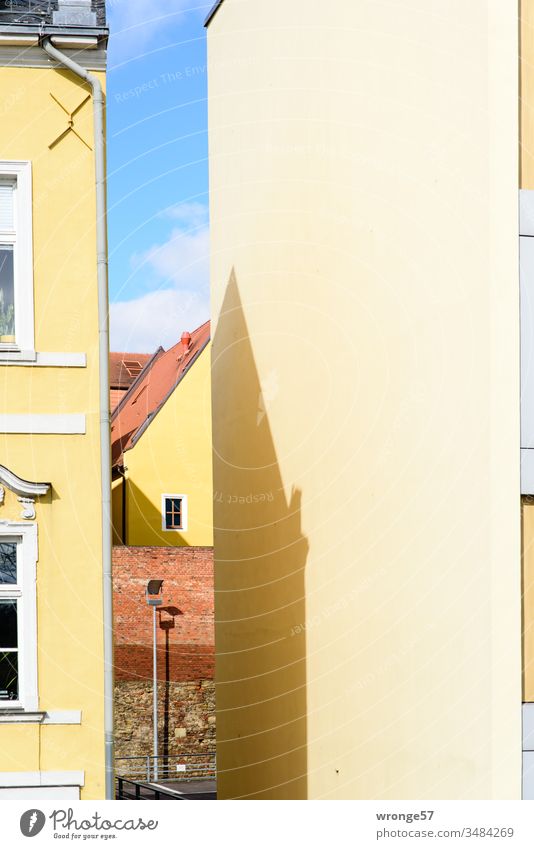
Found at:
(154, 600)
(167, 624)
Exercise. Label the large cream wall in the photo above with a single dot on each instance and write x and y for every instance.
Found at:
(363, 168)
(69, 571)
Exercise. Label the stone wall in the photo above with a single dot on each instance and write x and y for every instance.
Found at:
(185, 651)
(186, 714)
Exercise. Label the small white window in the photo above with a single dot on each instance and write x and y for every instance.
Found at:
(174, 512)
(16, 257)
(18, 620)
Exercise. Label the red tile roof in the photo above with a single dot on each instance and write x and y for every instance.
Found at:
(149, 391)
(124, 368)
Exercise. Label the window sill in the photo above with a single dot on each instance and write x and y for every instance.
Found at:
(34, 358)
(21, 715)
(42, 717)
(12, 352)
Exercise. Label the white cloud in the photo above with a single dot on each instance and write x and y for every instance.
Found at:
(136, 25)
(189, 214)
(157, 318)
(176, 275)
(182, 260)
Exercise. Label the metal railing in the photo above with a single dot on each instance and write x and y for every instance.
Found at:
(189, 766)
(26, 11)
(129, 789)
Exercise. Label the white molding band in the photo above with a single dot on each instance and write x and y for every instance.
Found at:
(72, 42)
(35, 423)
(45, 358)
(63, 717)
(43, 779)
(18, 41)
(19, 56)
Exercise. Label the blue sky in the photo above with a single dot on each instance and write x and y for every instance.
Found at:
(157, 171)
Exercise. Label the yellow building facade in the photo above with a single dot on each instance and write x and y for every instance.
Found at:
(161, 443)
(366, 398)
(51, 529)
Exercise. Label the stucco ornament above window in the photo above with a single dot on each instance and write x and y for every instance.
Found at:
(27, 491)
(24, 488)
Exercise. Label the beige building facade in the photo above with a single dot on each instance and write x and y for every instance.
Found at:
(364, 167)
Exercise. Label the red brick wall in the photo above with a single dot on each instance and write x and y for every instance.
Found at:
(187, 575)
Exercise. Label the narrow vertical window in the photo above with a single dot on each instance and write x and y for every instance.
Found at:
(7, 262)
(16, 258)
(174, 512)
(18, 618)
(10, 594)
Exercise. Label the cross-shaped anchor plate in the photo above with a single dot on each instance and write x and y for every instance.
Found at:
(70, 122)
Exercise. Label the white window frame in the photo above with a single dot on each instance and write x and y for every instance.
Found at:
(25, 591)
(22, 238)
(184, 514)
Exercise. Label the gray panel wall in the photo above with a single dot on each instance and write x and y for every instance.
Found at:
(526, 262)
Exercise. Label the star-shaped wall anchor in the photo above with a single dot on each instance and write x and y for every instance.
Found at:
(70, 122)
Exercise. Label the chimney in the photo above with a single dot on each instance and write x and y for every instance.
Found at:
(186, 341)
(76, 13)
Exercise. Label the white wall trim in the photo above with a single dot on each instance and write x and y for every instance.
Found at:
(18, 41)
(73, 42)
(42, 423)
(45, 358)
(63, 717)
(43, 779)
(34, 57)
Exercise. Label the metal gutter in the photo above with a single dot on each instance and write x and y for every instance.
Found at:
(211, 14)
(44, 30)
(103, 348)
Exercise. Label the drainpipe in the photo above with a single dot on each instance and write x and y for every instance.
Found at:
(103, 347)
(124, 527)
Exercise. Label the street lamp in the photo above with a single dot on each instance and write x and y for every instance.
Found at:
(166, 623)
(154, 600)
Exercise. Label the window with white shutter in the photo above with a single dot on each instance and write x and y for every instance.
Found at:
(16, 258)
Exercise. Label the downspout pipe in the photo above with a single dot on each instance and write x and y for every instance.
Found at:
(103, 348)
(124, 527)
